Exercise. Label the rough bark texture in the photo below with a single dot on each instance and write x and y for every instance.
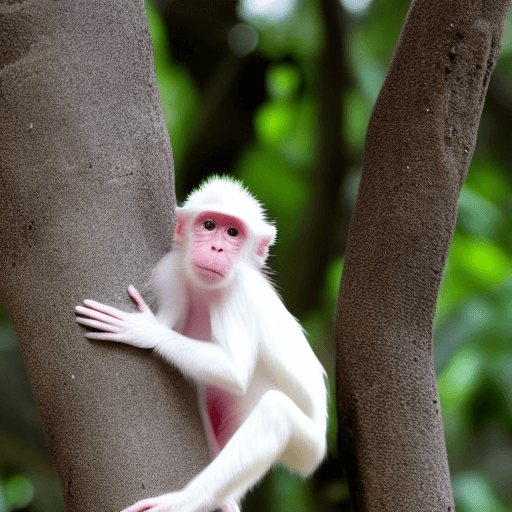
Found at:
(86, 202)
(420, 142)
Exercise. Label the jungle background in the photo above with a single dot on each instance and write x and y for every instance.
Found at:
(279, 93)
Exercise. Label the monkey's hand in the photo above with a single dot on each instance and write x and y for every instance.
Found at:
(138, 329)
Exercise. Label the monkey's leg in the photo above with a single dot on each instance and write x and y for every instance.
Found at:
(276, 429)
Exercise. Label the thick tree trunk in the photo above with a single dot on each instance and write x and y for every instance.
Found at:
(420, 142)
(86, 202)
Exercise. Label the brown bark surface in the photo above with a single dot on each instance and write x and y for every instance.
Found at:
(420, 142)
(86, 202)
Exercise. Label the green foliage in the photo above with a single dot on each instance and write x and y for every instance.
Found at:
(177, 89)
(473, 340)
(283, 81)
(356, 114)
(300, 35)
(474, 494)
(332, 281)
(266, 172)
(16, 492)
(274, 121)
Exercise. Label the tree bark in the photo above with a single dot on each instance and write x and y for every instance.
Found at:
(420, 142)
(87, 202)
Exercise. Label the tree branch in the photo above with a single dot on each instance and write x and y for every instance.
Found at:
(419, 146)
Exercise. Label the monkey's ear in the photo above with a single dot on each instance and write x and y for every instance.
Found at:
(179, 230)
(262, 250)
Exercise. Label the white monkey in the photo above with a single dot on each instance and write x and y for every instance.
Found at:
(262, 391)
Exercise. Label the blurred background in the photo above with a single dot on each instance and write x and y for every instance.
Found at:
(279, 93)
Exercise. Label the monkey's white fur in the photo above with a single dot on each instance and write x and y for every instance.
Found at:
(252, 322)
(249, 355)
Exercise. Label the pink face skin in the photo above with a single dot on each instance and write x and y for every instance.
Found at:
(216, 239)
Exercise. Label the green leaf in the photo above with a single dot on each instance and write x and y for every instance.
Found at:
(483, 260)
(477, 215)
(19, 491)
(473, 493)
(487, 178)
(283, 80)
(333, 278)
(274, 121)
(460, 377)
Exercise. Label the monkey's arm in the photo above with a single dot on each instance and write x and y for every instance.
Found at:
(207, 362)
(203, 361)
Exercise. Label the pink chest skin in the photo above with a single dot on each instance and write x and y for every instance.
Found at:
(220, 406)
(220, 409)
(213, 253)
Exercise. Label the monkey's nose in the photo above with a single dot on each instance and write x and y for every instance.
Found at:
(215, 249)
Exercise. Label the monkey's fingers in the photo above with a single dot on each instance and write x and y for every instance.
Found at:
(105, 336)
(141, 506)
(135, 295)
(95, 324)
(108, 310)
(96, 315)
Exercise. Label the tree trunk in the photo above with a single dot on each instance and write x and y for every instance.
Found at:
(87, 202)
(420, 141)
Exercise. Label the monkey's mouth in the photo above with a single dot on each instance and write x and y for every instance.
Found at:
(208, 272)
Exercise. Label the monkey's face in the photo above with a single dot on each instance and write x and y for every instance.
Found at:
(215, 242)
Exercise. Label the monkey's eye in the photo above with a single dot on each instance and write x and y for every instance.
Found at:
(209, 225)
(232, 231)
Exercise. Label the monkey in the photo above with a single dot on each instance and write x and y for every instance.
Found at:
(261, 390)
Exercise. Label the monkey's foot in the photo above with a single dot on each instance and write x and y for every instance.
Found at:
(230, 505)
(180, 501)
(172, 502)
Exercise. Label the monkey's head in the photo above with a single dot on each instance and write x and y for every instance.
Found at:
(220, 224)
